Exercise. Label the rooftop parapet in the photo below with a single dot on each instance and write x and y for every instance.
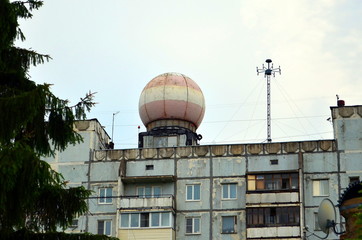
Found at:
(215, 150)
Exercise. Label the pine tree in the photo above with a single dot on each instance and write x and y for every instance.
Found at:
(33, 123)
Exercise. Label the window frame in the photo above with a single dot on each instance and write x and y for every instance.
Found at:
(316, 223)
(223, 231)
(277, 182)
(257, 217)
(105, 198)
(192, 197)
(104, 221)
(319, 186)
(161, 217)
(194, 220)
(229, 185)
(153, 195)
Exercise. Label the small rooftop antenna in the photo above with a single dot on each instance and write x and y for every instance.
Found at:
(113, 124)
(268, 71)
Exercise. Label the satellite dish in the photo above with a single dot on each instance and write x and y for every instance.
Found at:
(326, 215)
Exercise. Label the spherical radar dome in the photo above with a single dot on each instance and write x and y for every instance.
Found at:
(172, 96)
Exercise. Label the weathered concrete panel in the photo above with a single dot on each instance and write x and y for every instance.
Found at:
(78, 152)
(184, 151)
(291, 147)
(193, 167)
(255, 149)
(352, 161)
(237, 149)
(201, 151)
(229, 166)
(160, 168)
(104, 171)
(181, 226)
(167, 152)
(183, 204)
(240, 227)
(309, 146)
(320, 162)
(311, 200)
(219, 202)
(93, 222)
(131, 154)
(273, 148)
(348, 132)
(262, 163)
(95, 206)
(74, 173)
(149, 153)
(219, 150)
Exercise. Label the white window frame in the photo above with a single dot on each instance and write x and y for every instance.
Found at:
(192, 197)
(319, 185)
(152, 191)
(105, 227)
(222, 224)
(194, 222)
(228, 195)
(150, 225)
(105, 198)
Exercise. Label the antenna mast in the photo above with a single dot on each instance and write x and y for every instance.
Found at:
(268, 71)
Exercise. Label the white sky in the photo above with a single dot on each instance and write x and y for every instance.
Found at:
(115, 47)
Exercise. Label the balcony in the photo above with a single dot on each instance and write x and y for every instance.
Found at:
(143, 203)
(264, 198)
(292, 232)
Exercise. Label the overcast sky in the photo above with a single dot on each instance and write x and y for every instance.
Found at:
(115, 47)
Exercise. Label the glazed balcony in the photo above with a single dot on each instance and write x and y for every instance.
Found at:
(145, 202)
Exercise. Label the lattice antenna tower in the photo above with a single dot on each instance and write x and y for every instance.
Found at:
(268, 71)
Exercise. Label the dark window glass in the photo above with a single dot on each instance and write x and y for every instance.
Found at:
(188, 225)
(228, 224)
(145, 220)
(101, 227)
(274, 216)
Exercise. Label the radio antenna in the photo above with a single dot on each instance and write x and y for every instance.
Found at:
(268, 71)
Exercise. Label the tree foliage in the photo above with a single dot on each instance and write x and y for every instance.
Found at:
(33, 124)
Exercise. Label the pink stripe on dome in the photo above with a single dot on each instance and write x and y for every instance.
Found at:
(171, 109)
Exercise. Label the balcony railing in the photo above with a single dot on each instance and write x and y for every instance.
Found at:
(147, 202)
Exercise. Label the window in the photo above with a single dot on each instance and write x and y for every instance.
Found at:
(170, 141)
(105, 195)
(273, 182)
(273, 216)
(105, 227)
(149, 167)
(320, 187)
(353, 179)
(229, 191)
(74, 223)
(193, 192)
(193, 225)
(228, 224)
(274, 162)
(149, 191)
(316, 223)
(145, 220)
